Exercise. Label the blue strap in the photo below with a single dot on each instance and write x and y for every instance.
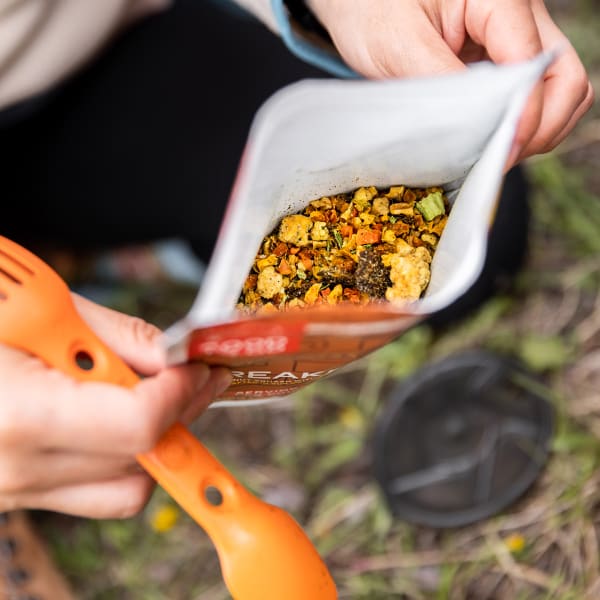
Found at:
(304, 49)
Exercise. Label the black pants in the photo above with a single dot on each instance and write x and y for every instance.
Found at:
(144, 143)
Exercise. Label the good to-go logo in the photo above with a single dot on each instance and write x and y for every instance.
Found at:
(246, 338)
(251, 346)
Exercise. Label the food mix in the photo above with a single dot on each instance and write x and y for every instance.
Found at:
(368, 245)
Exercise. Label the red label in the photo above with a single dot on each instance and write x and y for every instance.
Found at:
(247, 338)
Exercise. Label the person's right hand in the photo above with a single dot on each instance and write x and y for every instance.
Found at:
(70, 447)
(408, 38)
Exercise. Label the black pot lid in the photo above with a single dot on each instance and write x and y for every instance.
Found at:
(461, 440)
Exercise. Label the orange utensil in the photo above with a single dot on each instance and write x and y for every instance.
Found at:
(264, 553)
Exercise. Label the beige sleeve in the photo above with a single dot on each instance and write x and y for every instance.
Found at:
(44, 41)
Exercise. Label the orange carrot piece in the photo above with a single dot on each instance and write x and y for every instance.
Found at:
(280, 249)
(367, 236)
(307, 262)
(284, 267)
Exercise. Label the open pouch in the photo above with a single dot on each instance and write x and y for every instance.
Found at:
(317, 138)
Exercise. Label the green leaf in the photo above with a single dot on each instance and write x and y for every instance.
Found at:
(574, 441)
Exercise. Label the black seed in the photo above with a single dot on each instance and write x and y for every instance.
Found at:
(372, 277)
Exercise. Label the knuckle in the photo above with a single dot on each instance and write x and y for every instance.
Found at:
(581, 88)
(576, 81)
(143, 332)
(381, 61)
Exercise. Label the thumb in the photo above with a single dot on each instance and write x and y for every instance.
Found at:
(136, 341)
(405, 43)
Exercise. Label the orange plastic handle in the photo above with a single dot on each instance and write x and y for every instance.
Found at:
(264, 553)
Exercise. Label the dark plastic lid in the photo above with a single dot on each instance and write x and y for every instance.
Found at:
(461, 440)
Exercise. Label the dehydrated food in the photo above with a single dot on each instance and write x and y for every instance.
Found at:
(371, 275)
(358, 247)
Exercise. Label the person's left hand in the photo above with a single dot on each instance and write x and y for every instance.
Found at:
(70, 446)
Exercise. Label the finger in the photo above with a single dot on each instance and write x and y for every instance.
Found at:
(566, 87)
(507, 29)
(114, 499)
(220, 380)
(37, 471)
(135, 340)
(129, 422)
(509, 33)
(196, 392)
(575, 117)
(47, 409)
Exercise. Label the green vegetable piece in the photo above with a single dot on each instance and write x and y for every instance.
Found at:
(431, 206)
(362, 199)
(338, 238)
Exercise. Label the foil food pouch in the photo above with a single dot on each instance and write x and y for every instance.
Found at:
(318, 138)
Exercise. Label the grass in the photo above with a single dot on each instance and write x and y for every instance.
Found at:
(312, 453)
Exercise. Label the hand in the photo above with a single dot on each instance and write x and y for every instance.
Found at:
(69, 447)
(392, 38)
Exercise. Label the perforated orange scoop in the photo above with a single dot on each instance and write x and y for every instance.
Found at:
(264, 553)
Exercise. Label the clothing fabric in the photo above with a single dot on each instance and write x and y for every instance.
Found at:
(144, 142)
(310, 47)
(42, 42)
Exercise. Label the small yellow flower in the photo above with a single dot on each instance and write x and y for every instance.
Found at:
(515, 542)
(351, 418)
(164, 518)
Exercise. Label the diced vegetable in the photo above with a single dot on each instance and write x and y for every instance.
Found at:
(367, 236)
(359, 247)
(431, 206)
(338, 238)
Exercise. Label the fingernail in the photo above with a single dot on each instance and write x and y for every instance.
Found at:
(203, 374)
(515, 152)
